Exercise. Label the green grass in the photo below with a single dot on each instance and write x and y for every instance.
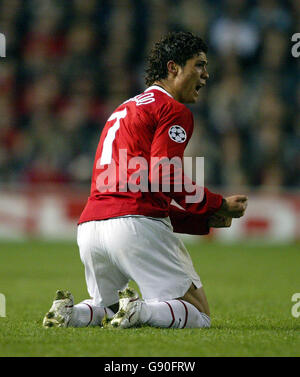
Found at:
(249, 289)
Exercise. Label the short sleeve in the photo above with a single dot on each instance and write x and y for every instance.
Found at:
(173, 132)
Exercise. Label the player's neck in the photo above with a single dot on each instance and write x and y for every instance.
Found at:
(167, 87)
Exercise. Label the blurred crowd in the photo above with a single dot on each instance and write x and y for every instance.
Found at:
(69, 63)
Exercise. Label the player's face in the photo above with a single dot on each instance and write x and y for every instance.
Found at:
(191, 78)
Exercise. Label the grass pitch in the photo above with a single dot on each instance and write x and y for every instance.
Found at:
(249, 289)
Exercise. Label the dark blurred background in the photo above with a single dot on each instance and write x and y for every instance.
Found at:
(70, 63)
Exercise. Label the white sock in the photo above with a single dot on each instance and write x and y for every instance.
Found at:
(173, 314)
(86, 314)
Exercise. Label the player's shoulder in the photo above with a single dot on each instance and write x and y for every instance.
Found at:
(164, 103)
(158, 105)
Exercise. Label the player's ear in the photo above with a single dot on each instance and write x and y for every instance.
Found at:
(172, 67)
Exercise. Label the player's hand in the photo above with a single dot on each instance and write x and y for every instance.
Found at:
(219, 221)
(233, 206)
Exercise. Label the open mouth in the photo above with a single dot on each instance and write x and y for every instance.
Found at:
(199, 86)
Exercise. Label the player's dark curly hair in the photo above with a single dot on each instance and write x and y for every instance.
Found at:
(177, 46)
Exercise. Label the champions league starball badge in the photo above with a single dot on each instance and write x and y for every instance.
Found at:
(177, 134)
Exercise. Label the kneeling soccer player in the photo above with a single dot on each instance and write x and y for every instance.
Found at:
(129, 234)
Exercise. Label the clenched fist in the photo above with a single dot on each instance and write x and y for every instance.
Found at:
(233, 206)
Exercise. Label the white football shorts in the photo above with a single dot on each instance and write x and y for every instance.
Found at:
(137, 248)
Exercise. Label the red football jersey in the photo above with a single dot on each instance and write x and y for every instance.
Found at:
(152, 126)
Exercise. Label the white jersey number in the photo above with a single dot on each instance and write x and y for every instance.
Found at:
(110, 137)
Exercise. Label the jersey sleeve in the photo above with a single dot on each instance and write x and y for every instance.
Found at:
(173, 132)
(187, 222)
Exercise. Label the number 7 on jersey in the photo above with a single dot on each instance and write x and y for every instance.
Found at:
(110, 136)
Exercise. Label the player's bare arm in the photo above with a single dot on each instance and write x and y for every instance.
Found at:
(219, 221)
